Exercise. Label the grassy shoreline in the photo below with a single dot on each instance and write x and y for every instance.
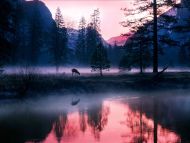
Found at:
(22, 85)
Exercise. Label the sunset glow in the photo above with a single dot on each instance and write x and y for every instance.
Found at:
(110, 13)
(122, 126)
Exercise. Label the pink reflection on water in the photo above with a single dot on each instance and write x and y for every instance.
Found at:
(113, 122)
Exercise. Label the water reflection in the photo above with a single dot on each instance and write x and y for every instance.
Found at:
(59, 126)
(82, 120)
(97, 119)
(146, 119)
(142, 129)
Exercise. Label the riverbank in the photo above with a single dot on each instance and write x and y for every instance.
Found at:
(17, 85)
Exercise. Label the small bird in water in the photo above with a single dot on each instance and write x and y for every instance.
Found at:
(75, 102)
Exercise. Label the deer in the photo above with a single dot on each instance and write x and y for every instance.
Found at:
(75, 72)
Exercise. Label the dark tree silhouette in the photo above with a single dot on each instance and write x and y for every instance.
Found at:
(137, 50)
(99, 59)
(81, 51)
(92, 34)
(91, 41)
(59, 126)
(115, 54)
(155, 37)
(61, 41)
(167, 19)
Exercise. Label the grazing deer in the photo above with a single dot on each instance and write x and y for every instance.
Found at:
(75, 72)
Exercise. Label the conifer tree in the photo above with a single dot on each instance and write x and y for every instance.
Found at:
(81, 51)
(99, 60)
(61, 40)
(92, 34)
(137, 51)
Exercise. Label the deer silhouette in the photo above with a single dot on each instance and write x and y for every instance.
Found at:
(75, 72)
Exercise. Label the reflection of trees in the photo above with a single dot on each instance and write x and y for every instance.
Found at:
(59, 126)
(155, 118)
(146, 118)
(138, 129)
(97, 119)
(82, 120)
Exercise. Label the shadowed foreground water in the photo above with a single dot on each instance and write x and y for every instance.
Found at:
(126, 118)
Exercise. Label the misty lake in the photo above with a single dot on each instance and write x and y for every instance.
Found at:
(103, 118)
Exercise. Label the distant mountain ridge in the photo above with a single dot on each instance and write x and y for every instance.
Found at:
(118, 40)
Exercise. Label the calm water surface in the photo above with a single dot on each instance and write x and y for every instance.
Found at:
(114, 118)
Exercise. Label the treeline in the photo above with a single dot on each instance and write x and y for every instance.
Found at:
(30, 37)
(89, 48)
(37, 39)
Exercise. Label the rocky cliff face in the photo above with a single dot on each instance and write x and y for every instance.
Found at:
(32, 13)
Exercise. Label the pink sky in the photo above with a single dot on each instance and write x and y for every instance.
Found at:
(110, 13)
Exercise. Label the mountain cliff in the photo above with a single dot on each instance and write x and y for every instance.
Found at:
(34, 23)
(118, 40)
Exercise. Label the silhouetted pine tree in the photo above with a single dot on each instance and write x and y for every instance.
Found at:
(92, 34)
(61, 40)
(99, 60)
(81, 51)
(137, 51)
(91, 40)
(115, 54)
